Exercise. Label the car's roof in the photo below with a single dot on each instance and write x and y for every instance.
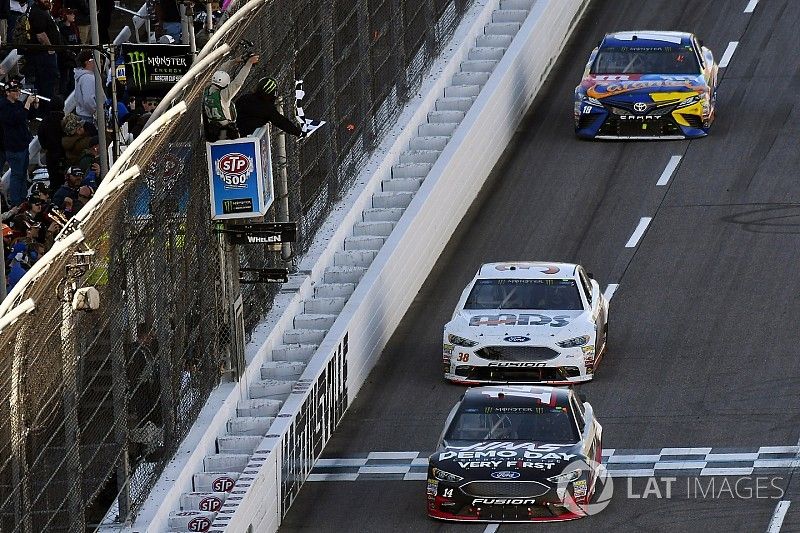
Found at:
(514, 394)
(646, 38)
(527, 270)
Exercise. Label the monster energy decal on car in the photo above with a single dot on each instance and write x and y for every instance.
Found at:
(151, 69)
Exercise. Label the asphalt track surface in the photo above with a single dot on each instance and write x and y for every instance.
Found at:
(703, 332)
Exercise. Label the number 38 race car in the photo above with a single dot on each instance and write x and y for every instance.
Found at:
(647, 85)
(526, 322)
(517, 454)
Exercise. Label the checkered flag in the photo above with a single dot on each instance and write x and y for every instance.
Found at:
(308, 125)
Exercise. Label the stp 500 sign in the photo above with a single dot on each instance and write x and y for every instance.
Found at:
(234, 169)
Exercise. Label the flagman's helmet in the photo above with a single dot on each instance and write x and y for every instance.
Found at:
(221, 79)
(267, 86)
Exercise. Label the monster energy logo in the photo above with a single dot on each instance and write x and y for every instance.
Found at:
(138, 66)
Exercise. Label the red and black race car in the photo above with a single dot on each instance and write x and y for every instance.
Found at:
(516, 454)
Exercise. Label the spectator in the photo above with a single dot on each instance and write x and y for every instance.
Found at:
(140, 115)
(20, 263)
(81, 8)
(16, 135)
(17, 8)
(69, 190)
(85, 193)
(67, 59)
(257, 108)
(85, 101)
(75, 140)
(44, 64)
(90, 163)
(5, 8)
(50, 135)
(169, 18)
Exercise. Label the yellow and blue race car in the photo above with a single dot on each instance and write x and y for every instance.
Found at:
(647, 85)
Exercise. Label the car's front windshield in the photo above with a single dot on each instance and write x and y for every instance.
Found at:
(644, 60)
(539, 294)
(521, 423)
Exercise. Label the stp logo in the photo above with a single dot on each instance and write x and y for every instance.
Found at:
(200, 523)
(234, 169)
(210, 504)
(222, 484)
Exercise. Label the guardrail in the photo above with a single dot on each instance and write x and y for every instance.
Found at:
(350, 349)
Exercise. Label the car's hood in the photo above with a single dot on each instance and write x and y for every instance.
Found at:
(637, 85)
(506, 460)
(515, 326)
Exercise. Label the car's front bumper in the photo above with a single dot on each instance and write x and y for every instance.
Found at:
(605, 125)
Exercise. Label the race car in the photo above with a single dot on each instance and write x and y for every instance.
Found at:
(647, 85)
(518, 454)
(526, 322)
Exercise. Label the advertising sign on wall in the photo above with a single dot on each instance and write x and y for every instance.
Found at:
(240, 177)
(152, 69)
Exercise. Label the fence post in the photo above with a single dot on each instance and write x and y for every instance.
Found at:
(364, 39)
(397, 29)
(119, 384)
(72, 431)
(282, 183)
(19, 456)
(329, 79)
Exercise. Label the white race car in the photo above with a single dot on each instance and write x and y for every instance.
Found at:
(527, 322)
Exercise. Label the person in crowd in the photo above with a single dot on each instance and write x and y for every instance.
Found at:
(44, 64)
(16, 9)
(14, 117)
(85, 193)
(141, 114)
(219, 111)
(257, 108)
(67, 59)
(76, 139)
(85, 101)
(81, 9)
(169, 18)
(50, 135)
(69, 190)
(89, 163)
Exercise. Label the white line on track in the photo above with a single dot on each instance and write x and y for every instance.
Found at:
(638, 232)
(610, 290)
(778, 516)
(670, 168)
(726, 57)
(751, 6)
(491, 528)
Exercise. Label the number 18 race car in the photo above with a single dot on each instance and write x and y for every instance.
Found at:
(647, 85)
(526, 322)
(518, 454)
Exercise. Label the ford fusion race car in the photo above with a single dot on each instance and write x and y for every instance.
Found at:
(526, 322)
(647, 85)
(516, 454)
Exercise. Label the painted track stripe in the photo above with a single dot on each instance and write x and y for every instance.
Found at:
(751, 6)
(669, 170)
(679, 465)
(777, 517)
(609, 293)
(773, 463)
(416, 476)
(633, 459)
(390, 469)
(324, 463)
(491, 528)
(392, 455)
(332, 477)
(638, 232)
(779, 449)
(685, 451)
(714, 457)
(726, 57)
(743, 471)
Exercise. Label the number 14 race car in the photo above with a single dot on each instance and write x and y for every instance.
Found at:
(518, 454)
(647, 85)
(526, 322)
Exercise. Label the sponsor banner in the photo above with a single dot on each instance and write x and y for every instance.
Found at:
(152, 69)
(240, 177)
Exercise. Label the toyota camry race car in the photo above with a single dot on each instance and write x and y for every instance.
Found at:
(647, 85)
(526, 322)
(517, 454)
